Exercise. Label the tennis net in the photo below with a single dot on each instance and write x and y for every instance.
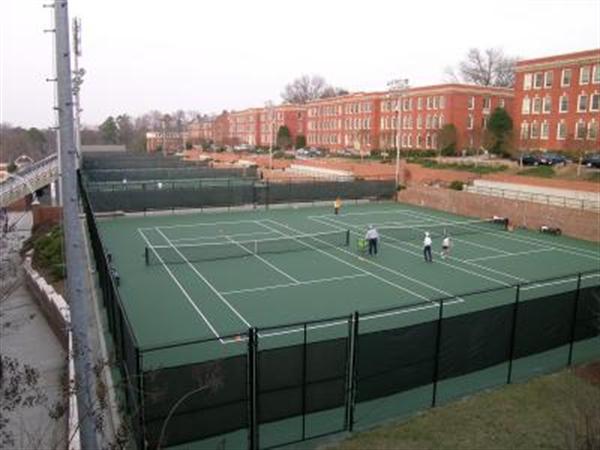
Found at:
(416, 232)
(212, 251)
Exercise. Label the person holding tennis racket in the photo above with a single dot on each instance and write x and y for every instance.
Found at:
(372, 237)
(446, 245)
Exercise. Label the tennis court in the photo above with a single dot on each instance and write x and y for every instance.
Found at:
(192, 286)
(184, 277)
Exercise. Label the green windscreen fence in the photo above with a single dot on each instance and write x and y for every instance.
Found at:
(166, 173)
(133, 160)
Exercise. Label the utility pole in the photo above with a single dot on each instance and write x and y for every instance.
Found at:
(77, 82)
(78, 295)
(398, 86)
(164, 136)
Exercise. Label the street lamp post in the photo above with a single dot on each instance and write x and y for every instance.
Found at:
(398, 86)
(271, 121)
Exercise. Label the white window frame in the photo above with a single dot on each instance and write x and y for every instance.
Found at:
(559, 127)
(548, 75)
(471, 103)
(544, 130)
(527, 81)
(594, 95)
(534, 131)
(501, 103)
(547, 104)
(596, 74)
(580, 124)
(470, 121)
(536, 101)
(526, 105)
(592, 125)
(524, 132)
(563, 76)
(487, 103)
(536, 76)
(560, 104)
(579, 97)
(584, 70)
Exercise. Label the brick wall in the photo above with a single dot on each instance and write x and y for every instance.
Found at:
(573, 222)
(46, 215)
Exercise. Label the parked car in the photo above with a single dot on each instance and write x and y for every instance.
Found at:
(552, 159)
(591, 160)
(530, 159)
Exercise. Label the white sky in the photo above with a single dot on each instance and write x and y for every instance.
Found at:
(210, 55)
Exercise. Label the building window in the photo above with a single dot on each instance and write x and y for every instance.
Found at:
(441, 120)
(596, 74)
(544, 130)
(595, 102)
(526, 106)
(537, 105)
(534, 130)
(527, 82)
(419, 141)
(428, 122)
(429, 103)
(548, 79)
(428, 141)
(471, 102)
(524, 130)
(419, 122)
(592, 130)
(434, 122)
(409, 141)
(565, 79)
(580, 129)
(547, 104)
(582, 103)
(420, 103)
(470, 122)
(538, 80)
(434, 140)
(436, 102)
(487, 102)
(584, 75)
(442, 102)
(563, 104)
(501, 103)
(561, 130)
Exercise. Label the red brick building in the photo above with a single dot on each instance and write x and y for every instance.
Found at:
(557, 102)
(425, 110)
(244, 126)
(291, 116)
(346, 122)
(173, 141)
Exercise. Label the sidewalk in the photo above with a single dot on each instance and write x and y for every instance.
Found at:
(26, 336)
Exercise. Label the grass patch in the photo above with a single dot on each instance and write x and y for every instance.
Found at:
(548, 412)
(464, 167)
(593, 177)
(539, 171)
(48, 256)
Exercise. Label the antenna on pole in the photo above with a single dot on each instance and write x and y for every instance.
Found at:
(77, 82)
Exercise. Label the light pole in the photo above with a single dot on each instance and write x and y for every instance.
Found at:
(271, 121)
(398, 86)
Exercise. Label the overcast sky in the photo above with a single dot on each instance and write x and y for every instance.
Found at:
(210, 55)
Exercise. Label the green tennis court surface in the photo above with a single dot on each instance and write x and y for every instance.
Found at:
(176, 290)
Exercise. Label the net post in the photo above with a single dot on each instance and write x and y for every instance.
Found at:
(513, 335)
(252, 386)
(438, 344)
(347, 238)
(574, 320)
(147, 255)
(351, 392)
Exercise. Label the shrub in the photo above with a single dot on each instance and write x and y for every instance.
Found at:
(457, 185)
(47, 244)
(540, 171)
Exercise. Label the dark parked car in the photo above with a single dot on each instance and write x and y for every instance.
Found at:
(530, 159)
(552, 159)
(592, 160)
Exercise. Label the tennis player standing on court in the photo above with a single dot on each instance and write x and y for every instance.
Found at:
(337, 205)
(446, 244)
(427, 247)
(372, 237)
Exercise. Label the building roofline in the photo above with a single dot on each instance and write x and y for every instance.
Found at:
(562, 59)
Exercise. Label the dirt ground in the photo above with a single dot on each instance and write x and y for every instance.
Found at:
(590, 373)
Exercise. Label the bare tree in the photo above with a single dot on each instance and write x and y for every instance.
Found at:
(489, 67)
(306, 88)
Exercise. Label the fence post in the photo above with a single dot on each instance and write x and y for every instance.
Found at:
(351, 390)
(513, 334)
(438, 344)
(139, 375)
(304, 383)
(252, 394)
(574, 320)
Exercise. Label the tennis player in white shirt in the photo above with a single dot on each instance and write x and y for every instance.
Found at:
(427, 247)
(372, 238)
(446, 244)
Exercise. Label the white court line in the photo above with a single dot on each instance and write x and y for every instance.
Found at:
(185, 293)
(360, 269)
(395, 272)
(209, 238)
(300, 283)
(562, 281)
(199, 224)
(583, 252)
(203, 278)
(528, 252)
(419, 255)
(260, 258)
(362, 319)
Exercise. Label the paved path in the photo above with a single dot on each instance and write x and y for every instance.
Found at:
(26, 336)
